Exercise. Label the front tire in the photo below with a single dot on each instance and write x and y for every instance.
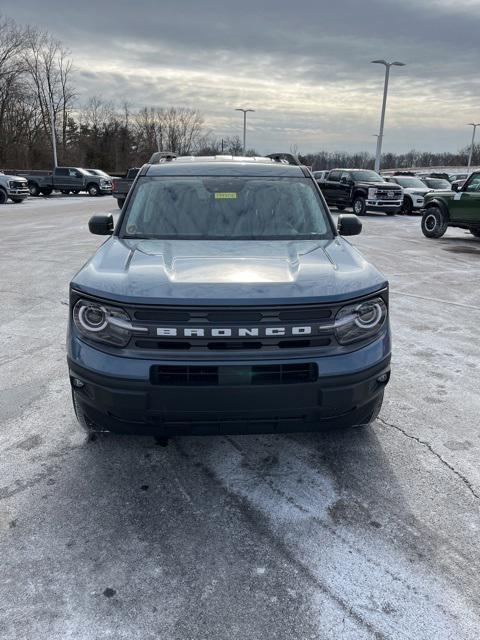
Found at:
(3, 197)
(407, 206)
(34, 189)
(359, 206)
(93, 190)
(17, 200)
(47, 191)
(120, 202)
(434, 223)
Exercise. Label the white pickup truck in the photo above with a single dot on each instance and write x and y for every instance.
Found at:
(13, 187)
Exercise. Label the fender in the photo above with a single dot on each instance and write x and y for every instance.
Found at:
(437, 202)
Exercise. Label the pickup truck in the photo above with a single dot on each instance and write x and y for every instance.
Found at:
(459, 207)
(121, 186)
(13, 187)
(363, 190)
(69, 179)
(226, 300)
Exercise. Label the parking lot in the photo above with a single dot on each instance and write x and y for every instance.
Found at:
(363, 534)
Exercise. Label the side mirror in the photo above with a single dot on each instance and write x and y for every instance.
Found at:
(349, 225)
(343, 180)
(101, 225)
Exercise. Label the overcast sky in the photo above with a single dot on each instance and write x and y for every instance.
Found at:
(303, 66)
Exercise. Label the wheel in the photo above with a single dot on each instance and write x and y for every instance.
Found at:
(407, 206)
(91, 428)
(120, 202)
(3, 197)
(17, 200)
(66, 191)
(93, 190)
(340, 207)
(475, 232)
(34, 189)
(76, 192)
(359, 206)
(434, 222)
(46, 191)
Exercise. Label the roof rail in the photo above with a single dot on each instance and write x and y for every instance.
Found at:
(289, 158)
(162, 156)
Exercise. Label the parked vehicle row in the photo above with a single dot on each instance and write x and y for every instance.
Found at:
(361, 189)
(69, 180)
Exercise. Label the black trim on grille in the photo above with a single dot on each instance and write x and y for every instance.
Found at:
(236, 375)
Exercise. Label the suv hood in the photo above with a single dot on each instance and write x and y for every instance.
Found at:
(215, 272)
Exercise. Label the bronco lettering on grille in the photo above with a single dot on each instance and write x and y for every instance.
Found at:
(238, 332)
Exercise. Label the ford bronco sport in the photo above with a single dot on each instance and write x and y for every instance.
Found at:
(225, 300)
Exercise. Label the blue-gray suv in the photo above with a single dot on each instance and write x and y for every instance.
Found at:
(226, 300)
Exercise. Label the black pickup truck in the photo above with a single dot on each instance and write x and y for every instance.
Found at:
(363, 190)
(121, 186)
(69, 179)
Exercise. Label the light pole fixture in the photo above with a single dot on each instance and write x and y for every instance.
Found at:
(384, 104)
(474, 125)
(245, 111)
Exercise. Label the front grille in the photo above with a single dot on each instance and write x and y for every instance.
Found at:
(233, 328)
(389, 194)
(251, 375)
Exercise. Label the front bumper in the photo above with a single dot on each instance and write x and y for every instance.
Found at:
(384, 206)
(118, 395)
(18, 193)
(105, 188)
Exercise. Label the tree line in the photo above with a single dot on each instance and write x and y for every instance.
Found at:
(38, 96)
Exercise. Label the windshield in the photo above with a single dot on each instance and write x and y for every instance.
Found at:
(367, 176)
(408, 183)
(226, 208)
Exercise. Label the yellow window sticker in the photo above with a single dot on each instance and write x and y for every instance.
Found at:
(221, 195)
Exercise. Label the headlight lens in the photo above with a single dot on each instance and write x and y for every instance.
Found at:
(101, 322)
(360, 321)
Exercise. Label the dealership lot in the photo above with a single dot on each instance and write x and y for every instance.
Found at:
(354, 535)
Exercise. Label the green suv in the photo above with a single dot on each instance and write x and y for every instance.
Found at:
(457, 208)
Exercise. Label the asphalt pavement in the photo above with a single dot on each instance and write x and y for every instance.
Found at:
(364, 534)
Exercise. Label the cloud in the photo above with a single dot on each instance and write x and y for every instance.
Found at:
(304, 68)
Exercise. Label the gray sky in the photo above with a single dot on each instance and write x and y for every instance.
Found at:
(303, 66)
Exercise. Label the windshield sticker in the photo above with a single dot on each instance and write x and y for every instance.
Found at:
(225, 196)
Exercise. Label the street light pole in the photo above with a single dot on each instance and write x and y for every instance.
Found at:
(387, 65)
(52, 127)
(245, 111)
(474, 125)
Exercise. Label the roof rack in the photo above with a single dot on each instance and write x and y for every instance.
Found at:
(162, 156)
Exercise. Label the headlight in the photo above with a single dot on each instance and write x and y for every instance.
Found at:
(102, 323)
(360, 321)
(11, 184)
